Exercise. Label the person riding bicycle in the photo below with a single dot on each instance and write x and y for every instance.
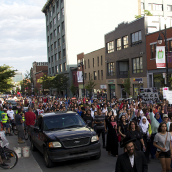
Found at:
(5, 122)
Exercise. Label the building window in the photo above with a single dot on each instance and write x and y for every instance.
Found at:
(110, 69)
(85, 63)
(64, 52)
(170, 45)
(125, 42)
(58, 29)
(48, 59)
(136, 37)
(142, 6)
(101, 74)
(52, 70)
(57, 69)
(51, 13)
(101, 60)
(54, 20)
(64, 66)
(57, 4)
(123, 67)
(155, 7)
(48, 49)
(55, 32)
(88, 63)
(98, 61)
(58, 16)
(52, 47)
(89, 76)
(137, 65)
(51, 36)
(169, 7)
(152, 51)
(63, 39)
(155, 51)
(54, 9)
(59, 42)
(63, 11)
(93, 63)
(98, 75)
(110, 47)
(49, 70)
(95, 75)
(47, 28)
(62, 25)
(55, 45)
(50, 24)
(52, 59)
(48, 39)
(55, 57)
(60, 68)
(47, 17)
(85, 76)
(118, 44)
(59, 55)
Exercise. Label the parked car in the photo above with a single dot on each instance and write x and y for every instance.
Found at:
(62, 136)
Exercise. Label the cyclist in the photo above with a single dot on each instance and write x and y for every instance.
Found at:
(5, 122)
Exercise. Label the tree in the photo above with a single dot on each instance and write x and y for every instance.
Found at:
(127, 84)
(146, 13)
(60, 82)
(73, 88)
(90, 86)
(6, 74)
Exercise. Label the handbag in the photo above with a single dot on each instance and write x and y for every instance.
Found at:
(157, 153)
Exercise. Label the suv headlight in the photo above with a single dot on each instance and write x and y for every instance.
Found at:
(94, 139)
(54, 145)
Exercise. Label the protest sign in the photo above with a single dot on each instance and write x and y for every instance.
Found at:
(149, 95)
(165, 90)
(169, 96)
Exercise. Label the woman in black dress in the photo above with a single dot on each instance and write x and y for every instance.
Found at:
(134, 133)
(112, 139)
(123, 126)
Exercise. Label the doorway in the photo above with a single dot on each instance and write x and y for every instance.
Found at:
(123, 93)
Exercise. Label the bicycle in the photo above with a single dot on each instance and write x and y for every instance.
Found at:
(7, 156)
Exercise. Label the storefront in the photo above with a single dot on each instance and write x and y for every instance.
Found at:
(111, 89)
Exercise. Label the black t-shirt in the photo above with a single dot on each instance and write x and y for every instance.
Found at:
(123, 128)
(88, 120)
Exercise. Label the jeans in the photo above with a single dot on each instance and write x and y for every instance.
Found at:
(20, 131)
(99, 131)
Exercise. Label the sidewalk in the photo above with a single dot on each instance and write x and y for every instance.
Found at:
(24, 164)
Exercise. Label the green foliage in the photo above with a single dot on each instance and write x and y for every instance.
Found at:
(73, 88)
(6, 74)
(90, 86)
(146, 13)
(127, 84)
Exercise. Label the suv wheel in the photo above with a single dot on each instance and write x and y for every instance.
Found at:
(96, 157)
(32, 146)
(47, 160)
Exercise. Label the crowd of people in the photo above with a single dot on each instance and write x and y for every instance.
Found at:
(149, 125)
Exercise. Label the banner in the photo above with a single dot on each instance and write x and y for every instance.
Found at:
(149, 94)
(79, 76)
(169, 96)
(160, 57)
(165, 92)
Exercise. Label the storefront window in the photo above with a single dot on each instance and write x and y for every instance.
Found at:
(112, 90)
(158, 80)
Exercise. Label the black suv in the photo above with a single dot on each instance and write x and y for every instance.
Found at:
(63, 136)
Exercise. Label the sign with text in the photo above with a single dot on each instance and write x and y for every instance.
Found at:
(160, 57)
(169, 96)
(79, 76)
(165, 92)
(149, 94)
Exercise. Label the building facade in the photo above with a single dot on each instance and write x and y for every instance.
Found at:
(156, 76)
(37, 67)
(156, 7)
(94, 67)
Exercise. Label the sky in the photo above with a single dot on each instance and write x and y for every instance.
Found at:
(23, 29)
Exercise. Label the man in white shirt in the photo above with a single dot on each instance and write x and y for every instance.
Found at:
(10, 113)
(93, 109)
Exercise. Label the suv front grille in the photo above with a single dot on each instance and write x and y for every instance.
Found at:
(76, 142)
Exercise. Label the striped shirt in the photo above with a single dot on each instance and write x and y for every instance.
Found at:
(99, 118)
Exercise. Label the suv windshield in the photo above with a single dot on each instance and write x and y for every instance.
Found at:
(58, 122)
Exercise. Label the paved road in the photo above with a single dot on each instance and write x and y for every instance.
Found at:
(105, 164)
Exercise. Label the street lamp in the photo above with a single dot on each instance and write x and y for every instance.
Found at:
(166, 50)
(82, 65)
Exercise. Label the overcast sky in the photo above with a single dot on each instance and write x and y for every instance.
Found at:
(23, 30)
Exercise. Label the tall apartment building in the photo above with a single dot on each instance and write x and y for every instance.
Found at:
(156, 7)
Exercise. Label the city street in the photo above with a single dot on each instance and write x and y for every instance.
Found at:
(105, 164)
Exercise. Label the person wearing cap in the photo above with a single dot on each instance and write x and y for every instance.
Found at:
(131, 160)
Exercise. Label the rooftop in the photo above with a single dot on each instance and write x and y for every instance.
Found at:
(46, 5)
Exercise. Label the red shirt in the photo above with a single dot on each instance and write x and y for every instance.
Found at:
(30, 118)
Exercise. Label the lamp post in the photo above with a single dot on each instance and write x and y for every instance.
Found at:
(166, 51)
(82, 65)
